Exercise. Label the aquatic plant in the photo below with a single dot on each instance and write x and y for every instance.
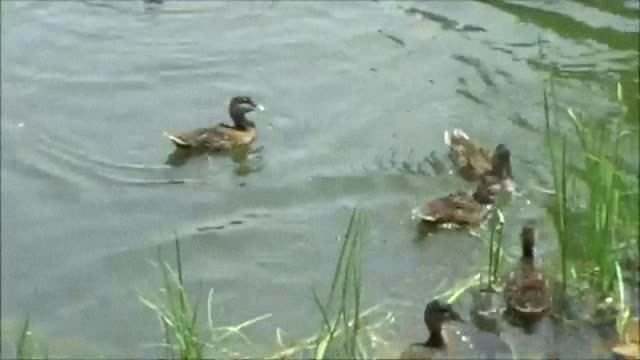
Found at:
(179, 319)
(27, 347)
(346, 330)
(595, 207)
(177, 315)
(496, 225)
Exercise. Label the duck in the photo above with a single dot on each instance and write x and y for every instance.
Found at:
(471, 159)
(458, 208)
(435, 314)
(221, 137)
(527, 293)
(497, 180)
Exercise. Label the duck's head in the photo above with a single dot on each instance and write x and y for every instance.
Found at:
(528, 239)
(437, 313)
(241, 105)
(501, 162)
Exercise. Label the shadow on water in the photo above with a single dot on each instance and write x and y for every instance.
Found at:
(247, 160)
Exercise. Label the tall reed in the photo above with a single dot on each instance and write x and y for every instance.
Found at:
(176, 313)
(26, 346)
(592, 202)
(347, 330)
(496, 225)
(340, 334)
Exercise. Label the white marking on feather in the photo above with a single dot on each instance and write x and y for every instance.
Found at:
(460, 133)
(448, 136)
(175, 139)
(416, 213)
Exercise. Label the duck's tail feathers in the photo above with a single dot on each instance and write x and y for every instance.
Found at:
(176, 140)
(457, 133)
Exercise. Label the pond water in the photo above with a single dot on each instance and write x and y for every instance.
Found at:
(357, 95)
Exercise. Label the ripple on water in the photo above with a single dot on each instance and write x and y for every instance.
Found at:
(89, 211)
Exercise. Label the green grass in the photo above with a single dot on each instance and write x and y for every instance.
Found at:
(347, 330)
(27, 347)
(595, 207)
(342, 309)
(496, 225)
(178, 317)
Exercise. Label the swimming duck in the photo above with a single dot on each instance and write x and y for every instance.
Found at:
(471, 159)
(222, 137)
(497, 180)
(527, 293)
(456, 209)
(435, 314)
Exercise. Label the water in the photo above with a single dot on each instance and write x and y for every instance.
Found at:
(357, 94)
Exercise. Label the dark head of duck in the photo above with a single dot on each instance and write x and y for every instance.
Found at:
(435, 314)
(238, 107)
(501, 162)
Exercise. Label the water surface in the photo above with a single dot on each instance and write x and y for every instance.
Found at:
(357, 95)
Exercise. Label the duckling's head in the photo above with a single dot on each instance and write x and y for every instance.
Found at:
(437, 313)
(528, 238)
(501, 161)
(240, 105)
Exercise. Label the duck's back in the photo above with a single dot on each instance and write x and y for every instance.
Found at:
(454, 208)
(471, 159)
(527, 291)
(218, 138)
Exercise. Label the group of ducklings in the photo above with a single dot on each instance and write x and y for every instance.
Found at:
(526, 290)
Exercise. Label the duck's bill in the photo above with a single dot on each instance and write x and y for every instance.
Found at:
(260, 107)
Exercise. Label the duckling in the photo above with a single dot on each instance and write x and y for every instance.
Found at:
(527, 293)
(456, 209)
(497, 180)
(222, 137)
(435, 314)
(471, 159)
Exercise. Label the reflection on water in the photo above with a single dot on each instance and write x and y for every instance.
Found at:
(359, 93)
(246, 158)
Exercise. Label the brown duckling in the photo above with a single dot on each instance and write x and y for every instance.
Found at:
(456, 209)
(471, 159)
(435, 314)
(222, 137)
(527, 292)
(497, 180)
